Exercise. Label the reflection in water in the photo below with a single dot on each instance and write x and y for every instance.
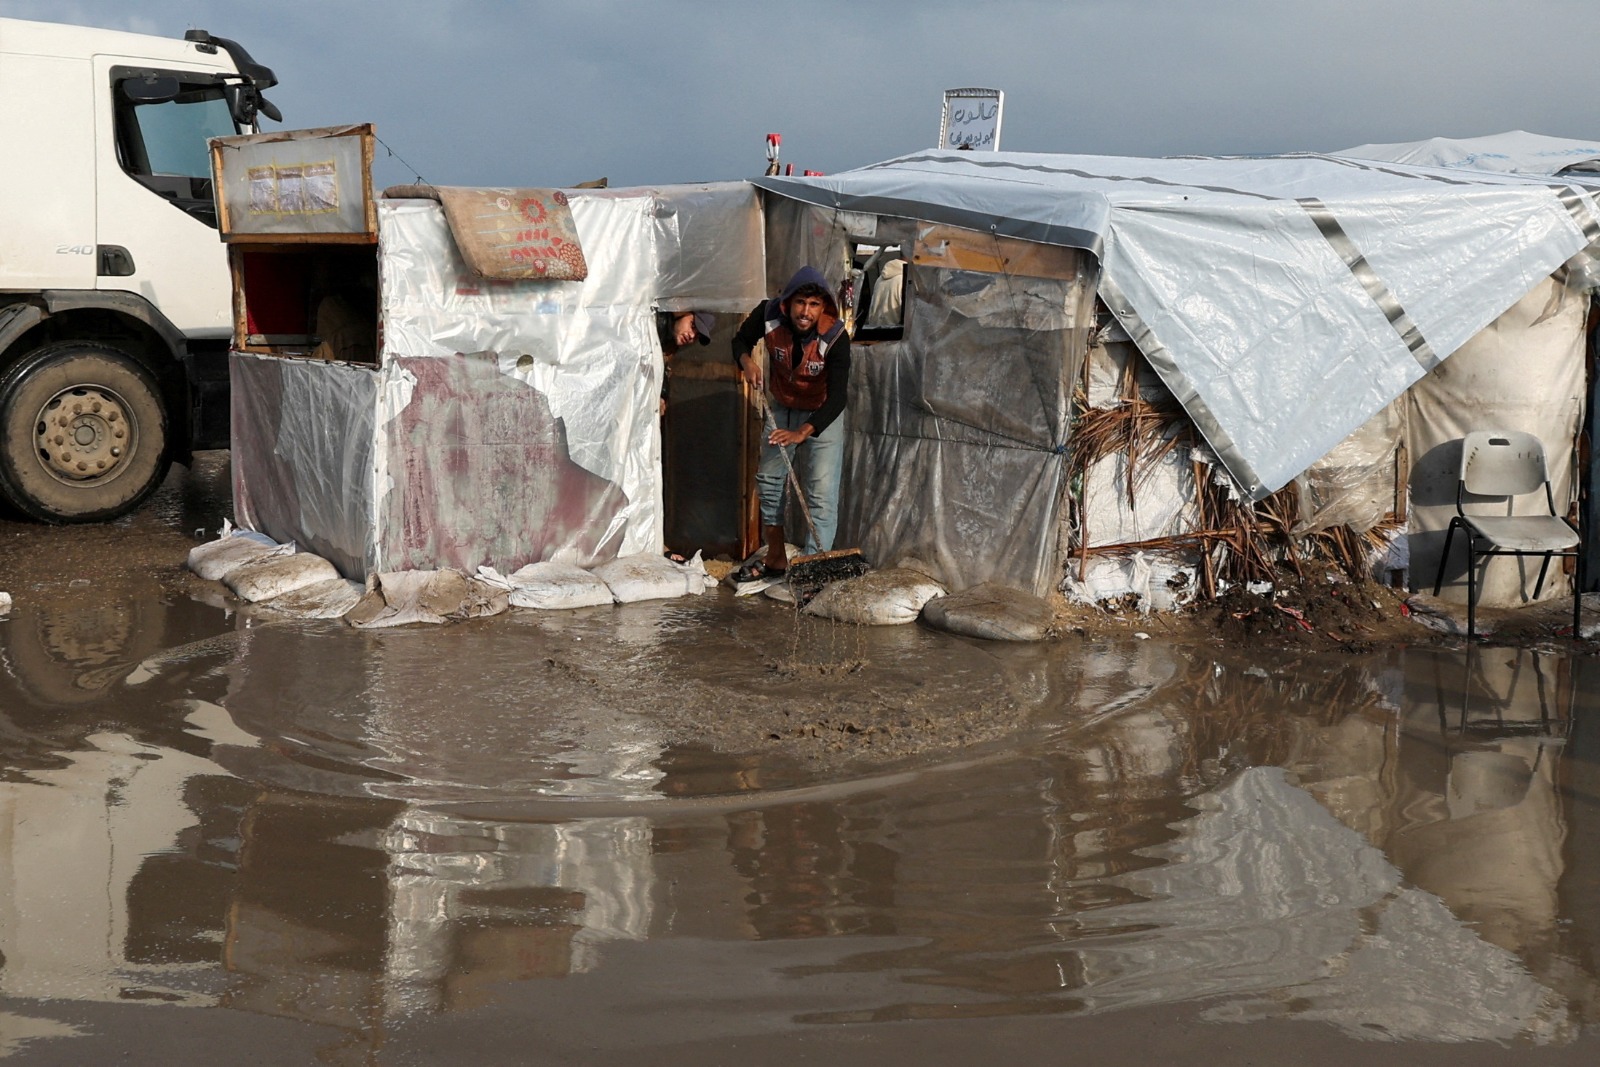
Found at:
(475, 903)
(1402, 851)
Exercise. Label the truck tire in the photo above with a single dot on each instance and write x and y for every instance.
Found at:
(83, 433)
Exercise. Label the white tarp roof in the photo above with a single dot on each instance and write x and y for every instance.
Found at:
(1515, 152)
(1283, 300)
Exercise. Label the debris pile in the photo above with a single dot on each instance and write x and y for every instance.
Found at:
(1323, 609)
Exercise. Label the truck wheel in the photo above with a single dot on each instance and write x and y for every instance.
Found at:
(83, 433)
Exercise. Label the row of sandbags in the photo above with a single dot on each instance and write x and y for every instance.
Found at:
(260, 570)
(900, 595)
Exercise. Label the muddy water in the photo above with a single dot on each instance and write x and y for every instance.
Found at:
(596, 837)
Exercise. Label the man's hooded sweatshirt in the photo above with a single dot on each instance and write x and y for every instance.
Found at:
(807, 371)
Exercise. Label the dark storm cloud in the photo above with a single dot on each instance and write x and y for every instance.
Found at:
(488, 93)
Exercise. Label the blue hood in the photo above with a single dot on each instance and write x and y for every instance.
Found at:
(805, 276)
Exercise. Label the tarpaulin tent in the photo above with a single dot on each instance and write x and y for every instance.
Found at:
(488, 421)
(1514, 152)
(1283, 302)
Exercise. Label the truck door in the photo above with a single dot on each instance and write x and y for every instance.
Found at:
(155, 215)
(47, 190)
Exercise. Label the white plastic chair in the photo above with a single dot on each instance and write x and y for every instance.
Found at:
(1503, 465)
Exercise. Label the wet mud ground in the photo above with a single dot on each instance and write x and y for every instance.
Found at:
(705, 831)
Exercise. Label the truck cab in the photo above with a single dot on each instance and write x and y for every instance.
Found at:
(115, 298)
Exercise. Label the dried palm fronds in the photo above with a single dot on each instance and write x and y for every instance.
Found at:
(1232, 540)
(1143, 432)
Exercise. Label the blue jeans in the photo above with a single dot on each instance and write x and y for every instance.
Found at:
(819, 461)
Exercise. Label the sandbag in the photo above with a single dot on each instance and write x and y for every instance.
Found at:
(651, 576)
(215, 560)
(557, 586)
(396, 598)
(328, 599)
(274, 575)
(992, 612)
(879, 598)
(5, 605)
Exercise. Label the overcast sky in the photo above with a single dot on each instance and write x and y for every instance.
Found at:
(477, 92)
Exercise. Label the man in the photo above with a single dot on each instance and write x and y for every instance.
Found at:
(679, 329)
(808, 355)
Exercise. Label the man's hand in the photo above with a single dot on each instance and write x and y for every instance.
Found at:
(785, 438)
(751, 370)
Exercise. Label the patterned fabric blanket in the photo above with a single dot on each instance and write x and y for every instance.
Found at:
(508, 233)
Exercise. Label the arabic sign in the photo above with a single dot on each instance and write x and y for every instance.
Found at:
(971, 119)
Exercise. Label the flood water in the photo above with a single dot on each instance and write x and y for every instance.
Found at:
(292, 842)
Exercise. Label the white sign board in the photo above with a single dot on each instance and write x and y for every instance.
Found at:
(971, 119)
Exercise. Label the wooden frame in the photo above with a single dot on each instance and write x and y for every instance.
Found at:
(242, 337)
(956, 249)
(230, 225)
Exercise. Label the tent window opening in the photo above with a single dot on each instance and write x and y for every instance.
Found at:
(880, 276)
(308, 301)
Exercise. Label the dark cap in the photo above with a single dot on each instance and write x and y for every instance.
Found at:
(704, 323)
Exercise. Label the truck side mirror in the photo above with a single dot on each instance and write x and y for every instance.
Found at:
(245, 101)
(242, 102)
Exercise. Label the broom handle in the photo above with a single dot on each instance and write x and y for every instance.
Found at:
(794, 480)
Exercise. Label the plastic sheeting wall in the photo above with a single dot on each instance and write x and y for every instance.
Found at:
(956, 453)
(575, 364)
(303, 440)
(1355, 484)
(508, 421)
(710, 255)
(800, 235)
(1525, 372)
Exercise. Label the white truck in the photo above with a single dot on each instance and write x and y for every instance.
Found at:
(115, 299)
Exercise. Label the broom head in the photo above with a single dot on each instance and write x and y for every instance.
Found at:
(808, 574)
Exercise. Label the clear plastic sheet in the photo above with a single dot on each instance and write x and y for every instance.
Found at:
(1354, 484)
(800, 235)
(294, 182)
(709, 245)
(303, 443)
(956, 455)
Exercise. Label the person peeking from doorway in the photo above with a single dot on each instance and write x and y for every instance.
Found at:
(680, 329)
(808, 375)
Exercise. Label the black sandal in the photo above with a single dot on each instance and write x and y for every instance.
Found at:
(756, 571)
(676, 557)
